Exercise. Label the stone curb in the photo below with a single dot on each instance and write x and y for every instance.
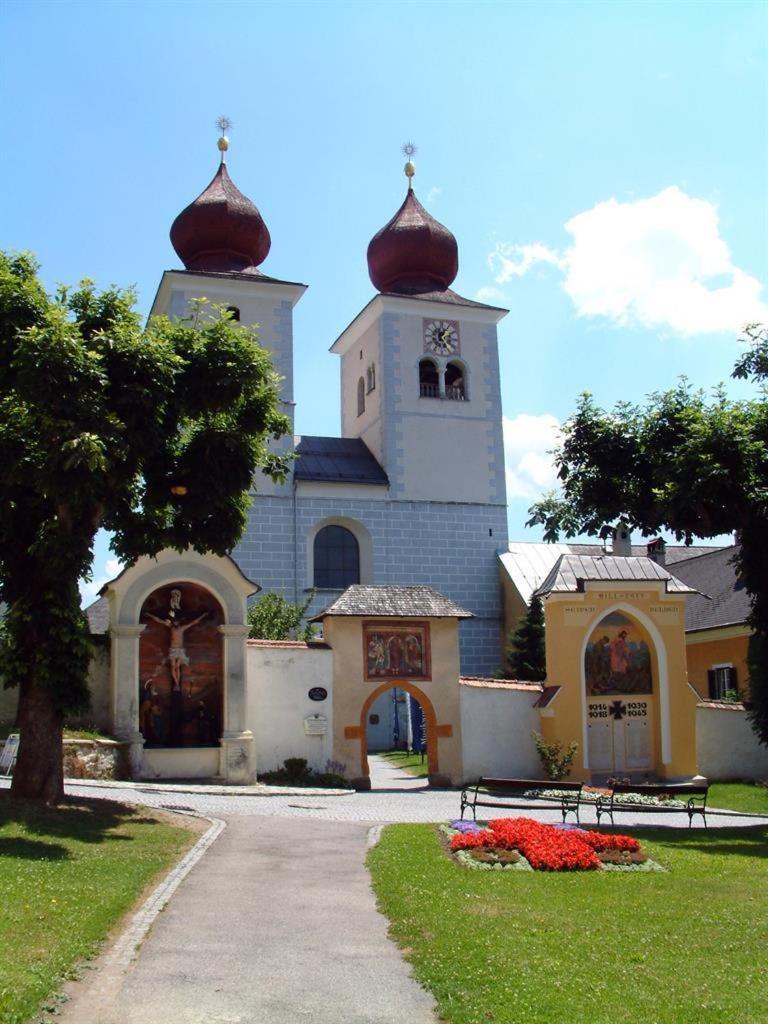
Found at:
(217, 790)
(374, 835)
(112, 965)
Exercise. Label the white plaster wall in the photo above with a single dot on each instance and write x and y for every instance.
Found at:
(446, 459)
(496, 725)
(279, 678)
(354, 364)
(180, 763)
(726, 746)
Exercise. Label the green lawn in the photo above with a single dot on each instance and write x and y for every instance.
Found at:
(684, 947)
(411, 763)
(738, 796)
(66, 877)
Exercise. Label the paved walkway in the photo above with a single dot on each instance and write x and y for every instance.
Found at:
(277, 924)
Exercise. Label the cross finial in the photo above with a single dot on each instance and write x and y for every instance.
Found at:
(223, 124)
(410, 168)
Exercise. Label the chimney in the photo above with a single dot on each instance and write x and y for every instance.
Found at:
(622, 540)
(656, 550)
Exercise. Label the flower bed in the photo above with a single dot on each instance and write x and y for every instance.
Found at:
(543, 847)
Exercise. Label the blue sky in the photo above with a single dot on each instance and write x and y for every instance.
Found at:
(602, 165)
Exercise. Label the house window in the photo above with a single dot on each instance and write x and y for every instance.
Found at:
(336, 558)
(360, 397)
(455, 385)
(429, 379)
(723, 684)
(370, 379)
(234, 311)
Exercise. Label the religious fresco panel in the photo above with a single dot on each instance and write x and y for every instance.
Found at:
(181, 668)
(617, 659)
(396, 650)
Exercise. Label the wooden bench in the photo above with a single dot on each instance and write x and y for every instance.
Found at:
(693, 797)
(501, 793)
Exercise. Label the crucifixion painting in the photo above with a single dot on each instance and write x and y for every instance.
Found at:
(177, 656)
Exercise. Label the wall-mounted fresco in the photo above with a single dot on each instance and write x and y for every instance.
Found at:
(396, 651)
(180, 668)
(617, 659)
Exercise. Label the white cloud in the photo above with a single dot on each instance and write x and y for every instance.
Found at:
(527, 442)
(489, 294)
(89, 591)
(433, 193)
(657, 262)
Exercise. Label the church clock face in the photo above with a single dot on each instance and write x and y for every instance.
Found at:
(441, 337)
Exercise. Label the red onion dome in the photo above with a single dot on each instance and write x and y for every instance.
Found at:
(413, 253)
(221, 230)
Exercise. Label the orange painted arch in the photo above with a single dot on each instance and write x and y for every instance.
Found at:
(429, 717)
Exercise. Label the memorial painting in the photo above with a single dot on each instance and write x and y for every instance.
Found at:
(396, 651)
(617, 659)
(180, 668)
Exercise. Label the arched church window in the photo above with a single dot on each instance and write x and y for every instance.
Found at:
(336, 558)
(429, 379)
(235, 311)
(455, 384)
(360, 397)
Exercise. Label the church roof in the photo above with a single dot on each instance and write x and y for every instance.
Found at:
(570, 572)
(413, 253)
(714, 574)
(345, 460)
(221, 230)
(527, 563)
(390, 600)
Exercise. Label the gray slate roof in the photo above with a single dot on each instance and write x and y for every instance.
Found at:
(571, 571)
(528, 563)
(713, 574)
(98, 617)
(337, 460)
(391, 600)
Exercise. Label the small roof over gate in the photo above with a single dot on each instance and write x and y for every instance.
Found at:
(571, 572)
(390, 600)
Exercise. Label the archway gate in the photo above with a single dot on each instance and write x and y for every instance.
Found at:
(391, 636)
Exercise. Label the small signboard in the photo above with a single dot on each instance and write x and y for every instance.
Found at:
(318, 693)
(315, 725)
(9, 754)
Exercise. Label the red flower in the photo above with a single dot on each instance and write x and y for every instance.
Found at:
(545, 847)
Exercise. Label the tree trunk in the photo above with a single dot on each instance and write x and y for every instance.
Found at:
(39, 771)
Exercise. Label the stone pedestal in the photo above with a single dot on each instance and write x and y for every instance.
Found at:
(237, 757)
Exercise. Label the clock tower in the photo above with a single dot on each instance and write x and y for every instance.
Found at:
(420, 369)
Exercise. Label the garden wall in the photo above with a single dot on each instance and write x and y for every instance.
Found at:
(497, 719)
(281, 674)
(726, 746)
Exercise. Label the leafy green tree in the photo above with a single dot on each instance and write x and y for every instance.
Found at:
(526, 658)
(274, 617)
(695, 466)
(152, 434)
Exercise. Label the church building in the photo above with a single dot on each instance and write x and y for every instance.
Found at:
(413, 492)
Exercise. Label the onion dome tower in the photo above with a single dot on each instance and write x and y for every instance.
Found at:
(221, 231)
(413, 254)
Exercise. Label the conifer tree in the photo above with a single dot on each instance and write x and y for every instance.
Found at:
(525, 652)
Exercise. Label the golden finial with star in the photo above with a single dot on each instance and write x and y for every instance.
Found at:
(410, 168)
(223, 124)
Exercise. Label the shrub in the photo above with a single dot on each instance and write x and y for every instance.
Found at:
(555, 761)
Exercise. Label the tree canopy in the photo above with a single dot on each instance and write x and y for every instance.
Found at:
(694, 465)
(274, 617)
(154, 434)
